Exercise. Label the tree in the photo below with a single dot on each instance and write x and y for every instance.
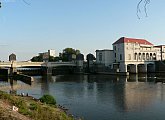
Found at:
(53, 59)
(68, 54)
(71, 51)
(37, 59)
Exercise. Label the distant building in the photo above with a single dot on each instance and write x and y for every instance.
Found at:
(46, 55)
(51, 53)
(12, 57)
(105, 57)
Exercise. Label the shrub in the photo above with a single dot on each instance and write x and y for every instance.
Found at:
(33, 106)
(48, 99)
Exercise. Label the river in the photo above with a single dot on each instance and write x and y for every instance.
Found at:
(100, 97)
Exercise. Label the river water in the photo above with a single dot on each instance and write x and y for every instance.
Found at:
(100, 97)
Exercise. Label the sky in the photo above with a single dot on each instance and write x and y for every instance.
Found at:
(87, 25)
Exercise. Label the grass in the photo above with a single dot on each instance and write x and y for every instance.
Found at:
(34, 109)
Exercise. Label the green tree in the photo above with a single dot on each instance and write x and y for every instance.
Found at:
(71, 51)
(67, 53)
(51, 59)
(37, 59)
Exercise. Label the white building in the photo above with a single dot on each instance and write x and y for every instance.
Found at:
(133, 55)
(51, 53)
(105, 57)
(136, 55)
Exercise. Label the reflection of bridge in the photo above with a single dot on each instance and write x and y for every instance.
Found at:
(35, 64)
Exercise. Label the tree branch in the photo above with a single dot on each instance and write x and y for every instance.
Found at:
(146, 2)
(27, 3)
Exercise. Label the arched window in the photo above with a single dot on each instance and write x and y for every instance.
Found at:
(151, 56)
(140, 56)
(154, 56)
(147, 56)
(135, 56)
(143, 56)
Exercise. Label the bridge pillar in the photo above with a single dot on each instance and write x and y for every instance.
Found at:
(13, 68)
(49, 70)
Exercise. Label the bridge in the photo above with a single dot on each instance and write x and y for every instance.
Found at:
(15, 64)
(48, 66)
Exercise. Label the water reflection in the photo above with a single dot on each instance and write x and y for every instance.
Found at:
(141, 78)
(45, 84)
(104, 97)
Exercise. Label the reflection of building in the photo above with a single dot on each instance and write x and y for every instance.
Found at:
(133, 55)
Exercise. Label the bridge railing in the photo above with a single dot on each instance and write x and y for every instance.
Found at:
(47, 64)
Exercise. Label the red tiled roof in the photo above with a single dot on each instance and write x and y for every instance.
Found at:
(132, 40)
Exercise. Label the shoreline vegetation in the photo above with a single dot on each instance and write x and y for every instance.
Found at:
(30, 108)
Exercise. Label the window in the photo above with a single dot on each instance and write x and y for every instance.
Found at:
(147, 56)
(143, 56)
(135, 56)
(115, 48)
(100, 56)
(154, 56)
(120, 56)
(115, 55)
(139, 56)
(129, 56)
(151, 56)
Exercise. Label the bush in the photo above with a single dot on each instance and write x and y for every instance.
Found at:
(48, 99)
(33, 106)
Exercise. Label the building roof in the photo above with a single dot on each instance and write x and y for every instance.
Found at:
(132, 40)
(104, 50)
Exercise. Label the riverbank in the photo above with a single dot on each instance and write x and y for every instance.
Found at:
(28, 109)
